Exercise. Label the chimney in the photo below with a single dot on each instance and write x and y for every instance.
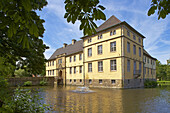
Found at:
(64, 45)
(73, 41)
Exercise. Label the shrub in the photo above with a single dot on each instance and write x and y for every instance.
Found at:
(24, 102)
(150, 84)
(43, 82)
(28, 83)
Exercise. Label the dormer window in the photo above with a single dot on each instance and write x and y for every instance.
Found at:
(100, 36)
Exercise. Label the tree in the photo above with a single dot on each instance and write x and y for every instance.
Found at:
(163, 7)
(20, 32)
(168, 69)
(85, 11)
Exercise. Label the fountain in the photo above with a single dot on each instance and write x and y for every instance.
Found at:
(82, 90)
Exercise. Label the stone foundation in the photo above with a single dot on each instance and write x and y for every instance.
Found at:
(133, 83)
(105, 83)
(74, 82)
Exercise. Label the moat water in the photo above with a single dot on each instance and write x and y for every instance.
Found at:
(66, 100)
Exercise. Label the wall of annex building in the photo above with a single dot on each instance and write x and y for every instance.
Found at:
(149, 68)
(106, 73)
(78, 63)
(59, 64)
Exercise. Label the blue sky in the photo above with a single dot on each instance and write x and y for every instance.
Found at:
(134, 12)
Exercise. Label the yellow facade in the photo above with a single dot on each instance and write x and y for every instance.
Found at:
(113, 57)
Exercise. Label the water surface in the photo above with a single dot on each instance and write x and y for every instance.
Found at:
(62, 99)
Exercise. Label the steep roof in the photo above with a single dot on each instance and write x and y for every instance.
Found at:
(112, 22)
(69, 49)
(108, 23)
(147, 54)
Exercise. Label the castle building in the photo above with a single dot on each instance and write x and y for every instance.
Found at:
(114, 57)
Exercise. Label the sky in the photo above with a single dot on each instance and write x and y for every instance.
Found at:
(134, 12)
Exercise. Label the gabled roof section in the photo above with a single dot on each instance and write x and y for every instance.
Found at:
(68, 50)
(108, 23)
(147, 54)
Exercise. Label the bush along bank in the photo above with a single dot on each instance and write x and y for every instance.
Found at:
(150, 84)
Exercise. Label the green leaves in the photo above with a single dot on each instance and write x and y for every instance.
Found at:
(85, 11)
(152, 10)
(162, 6)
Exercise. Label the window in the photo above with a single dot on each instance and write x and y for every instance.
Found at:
(113, 81)
(140, 67)
(80, 80)
(134, 37)
(128, 33)
(100, 66)
(145, 70)
(139, 40)
(113, 46)
(74, 80)
(151, 71)
(114, 32)
(74, 58)
(100, 36)
(139, 51)
(134, 49)
(99, 49)
(89, 40)
(111, 33)
(145, 58)
(70, 80)
(74, 70)
(53, 72)
(53, 63)
(128, 65)
(148, 60)
(148, 71)
(70, 59)
(113, 65)
(89, 67)
(128, 81)
(48, 63)
(59, 61)
(128, 47)
(151, 61)
(48, 72)
(80, 69)
(100, 81)
(90, 81)
(134, 67)
(70, 70)
(80, 57)
(90, 52)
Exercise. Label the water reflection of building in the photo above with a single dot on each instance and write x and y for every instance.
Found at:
(113, 57)
(103, 101)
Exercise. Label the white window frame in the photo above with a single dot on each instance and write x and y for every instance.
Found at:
(113, 65)
(89, 52)
(99, 51)
(100, 66)
(113, 46)
(89, 67)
